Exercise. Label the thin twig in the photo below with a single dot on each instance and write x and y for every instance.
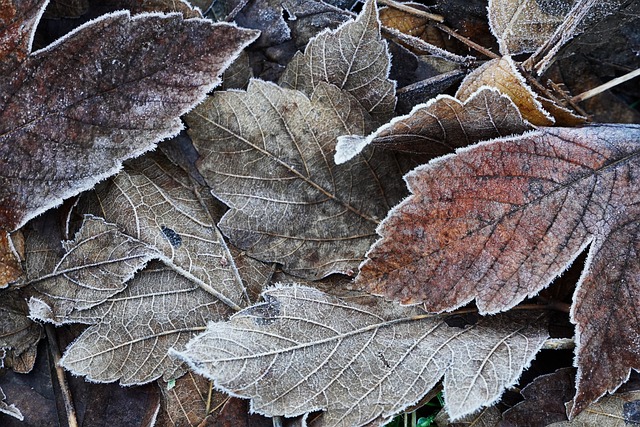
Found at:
(559, 344)
(209, 396)
(62, 379)
(604, 87)
(473, 45)
(412, 10)
(423, 46)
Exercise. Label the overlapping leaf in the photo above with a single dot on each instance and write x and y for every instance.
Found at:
(303, 350)
(354, 58)
(134, 329)
(442, 125)
(72, 112)
(499, 221)
(155, 202)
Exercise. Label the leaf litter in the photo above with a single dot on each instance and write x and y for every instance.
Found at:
(152, 269)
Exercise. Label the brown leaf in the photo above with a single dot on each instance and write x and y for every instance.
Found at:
(544, 400)
(156, 203)
(8, 409)
(499, 221)
(617, 410)
(133, 330)
(185, 403)
(295, 353)
(75, 121)
(10, 268)
(503, 75)
(266, 153)
(487, 417)
(354, 58)
(19, 335)
(442, 125)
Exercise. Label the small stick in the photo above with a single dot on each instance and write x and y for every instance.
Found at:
(608, 85)
(62, 379)
(412, 10)
(559, 344)
(423, 46)
(473, 45)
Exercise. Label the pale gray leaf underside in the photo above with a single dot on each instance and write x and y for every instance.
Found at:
(303, 350)
(154, 201)
(134, 329)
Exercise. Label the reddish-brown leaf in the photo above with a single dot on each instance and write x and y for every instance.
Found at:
(499, 221)
(72, 112)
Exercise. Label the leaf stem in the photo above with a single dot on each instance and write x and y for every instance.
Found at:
(473, 45)
(604, 87)
(411, 10)
(62, 379)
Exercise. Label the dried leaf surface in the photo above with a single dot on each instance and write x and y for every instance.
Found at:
(132, 331)
(617, 410)
(11, 410)
(503, 74)
(524, 25)
(267, 153)
(10, 268)
(303, 350)
(442, 125)
(19, 335)
(156, 203)
(499, 221)
(354, 58)
(105, 92)
(96, 265)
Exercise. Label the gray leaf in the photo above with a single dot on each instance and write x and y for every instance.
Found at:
(155, 202)
(302, 350)
(135, 329)
(96, 265)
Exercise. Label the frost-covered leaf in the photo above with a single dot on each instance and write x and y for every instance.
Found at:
(354, 58)
(19, 335)
(132, 331)
(617, 410)
(267, 153)
(524, 25)
(72, 112)
(442, 125)
(302, 350)
(497, 222)
(157, 204)
(11, 410)
(96, 265)
(503, 74)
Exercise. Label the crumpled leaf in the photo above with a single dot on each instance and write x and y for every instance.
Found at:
(503, 75)
(442, 125)
(499, 221)
(132, 331)
(354, 58)
(156, 203)
(96, 266)
(487, 417)
(11, 410)
(295, 353)
(266, 153)
(131, 86)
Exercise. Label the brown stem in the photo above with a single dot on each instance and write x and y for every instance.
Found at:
(62, 379)
(473, 45)
(411, 10)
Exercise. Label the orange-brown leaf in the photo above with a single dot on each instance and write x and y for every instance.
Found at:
(499, 221)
